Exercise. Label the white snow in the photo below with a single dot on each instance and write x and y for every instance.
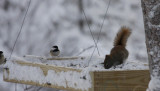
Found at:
(66, 79)
(151, 53)
(151, 14)
(159, 53)
(94, 63)
(154, 84)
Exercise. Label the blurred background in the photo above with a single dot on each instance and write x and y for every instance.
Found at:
(62, 23)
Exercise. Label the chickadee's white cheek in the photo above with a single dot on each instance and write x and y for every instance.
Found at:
(52, 48)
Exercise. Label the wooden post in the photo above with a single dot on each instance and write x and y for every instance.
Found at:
(151, 15)
(133, 80)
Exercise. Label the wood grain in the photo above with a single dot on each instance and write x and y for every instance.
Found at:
(45, 69)
(133, 80)
(66, 58)
(55, 58)
(42, 85)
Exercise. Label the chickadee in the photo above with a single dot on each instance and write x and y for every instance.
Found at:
(2, 59)
(54, 51)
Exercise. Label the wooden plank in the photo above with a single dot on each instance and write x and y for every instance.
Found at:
(45, 69)
(92, 78)
(42, 85)
(66, 58)
(55, 58)
(133, 80)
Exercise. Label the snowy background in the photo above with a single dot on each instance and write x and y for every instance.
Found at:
(62, 23)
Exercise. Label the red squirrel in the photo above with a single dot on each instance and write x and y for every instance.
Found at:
(118, 53)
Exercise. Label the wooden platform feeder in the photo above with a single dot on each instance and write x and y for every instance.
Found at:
(129, 80)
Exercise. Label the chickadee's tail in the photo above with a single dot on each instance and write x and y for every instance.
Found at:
(122, 36)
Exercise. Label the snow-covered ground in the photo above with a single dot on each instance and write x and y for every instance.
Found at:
(55, 22)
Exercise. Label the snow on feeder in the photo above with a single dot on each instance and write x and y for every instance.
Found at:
(73, 74)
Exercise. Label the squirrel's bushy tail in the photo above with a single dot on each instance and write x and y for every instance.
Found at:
(122, 36)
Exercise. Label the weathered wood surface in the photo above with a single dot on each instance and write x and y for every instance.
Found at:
(45, 69)
(42, 85)
(66, 58)
(132, 80)
(55, 58)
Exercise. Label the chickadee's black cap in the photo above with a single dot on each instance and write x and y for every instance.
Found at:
(1, 51)
(55, 46)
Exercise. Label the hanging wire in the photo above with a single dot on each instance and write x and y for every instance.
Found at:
(90, 31)
(100, 30)
(103, 22)
(15, 87)
(19, 35)
(20, 29)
